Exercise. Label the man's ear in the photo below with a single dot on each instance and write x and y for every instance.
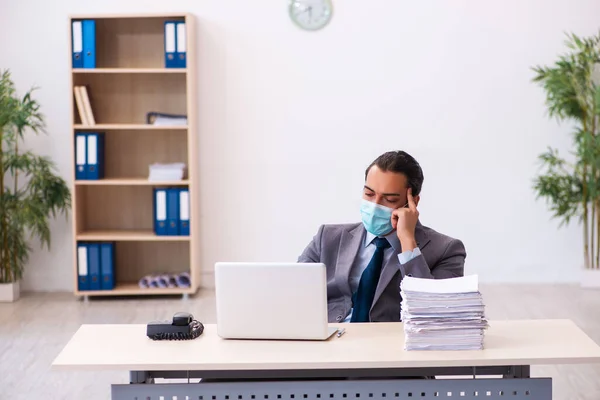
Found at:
(417, 198)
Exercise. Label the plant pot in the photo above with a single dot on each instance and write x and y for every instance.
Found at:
(590, 278)
(9, 292)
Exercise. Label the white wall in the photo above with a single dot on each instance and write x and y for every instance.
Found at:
(290, 119)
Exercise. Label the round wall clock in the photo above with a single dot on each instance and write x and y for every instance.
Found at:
(311, 14)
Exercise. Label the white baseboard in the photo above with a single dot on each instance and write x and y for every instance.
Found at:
(590, 278)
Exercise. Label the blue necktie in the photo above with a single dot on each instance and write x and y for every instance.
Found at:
(363, 298)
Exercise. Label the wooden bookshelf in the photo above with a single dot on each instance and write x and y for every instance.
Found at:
(129, 127)
(134, 182)
(130, 71)
(132, 235)
(130, 80)
(132, 289)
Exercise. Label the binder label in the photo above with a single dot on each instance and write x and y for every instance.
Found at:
(82, 260)
(77, 37)
(170, 38)
(92, 149)
(184, 205)
(81, 150)
(181, 38)
(161, 205)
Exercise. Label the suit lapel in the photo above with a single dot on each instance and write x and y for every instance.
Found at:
(350, 243)
(392, 265)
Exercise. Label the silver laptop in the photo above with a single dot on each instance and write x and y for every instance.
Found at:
(272, 301)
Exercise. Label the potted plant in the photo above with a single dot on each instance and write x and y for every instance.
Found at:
(572, 187)
(31, 193)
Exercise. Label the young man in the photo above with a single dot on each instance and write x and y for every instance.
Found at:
(366, 261)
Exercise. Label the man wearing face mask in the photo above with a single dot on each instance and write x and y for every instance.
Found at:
(366, 261)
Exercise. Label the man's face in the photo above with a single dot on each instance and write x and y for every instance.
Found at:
(386, 188)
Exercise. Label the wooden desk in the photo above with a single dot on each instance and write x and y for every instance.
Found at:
(364, 351)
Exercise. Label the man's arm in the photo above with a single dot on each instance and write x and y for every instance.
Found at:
(312, 252)
(412, 263)
(450, 265)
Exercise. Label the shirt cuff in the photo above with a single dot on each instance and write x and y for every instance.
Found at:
(349, 317)
(408, 255)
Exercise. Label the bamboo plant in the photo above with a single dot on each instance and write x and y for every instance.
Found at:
(571, 186)
(32, 192)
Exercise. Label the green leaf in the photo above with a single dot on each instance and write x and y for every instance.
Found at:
(597, 99)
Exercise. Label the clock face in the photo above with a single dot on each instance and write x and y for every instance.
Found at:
(311, 14)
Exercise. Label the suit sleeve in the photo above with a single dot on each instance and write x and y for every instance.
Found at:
(312, 252)
(450, 265)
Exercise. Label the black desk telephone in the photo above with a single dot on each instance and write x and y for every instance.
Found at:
(183, 327)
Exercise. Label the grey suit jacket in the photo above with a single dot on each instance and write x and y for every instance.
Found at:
(337, 246)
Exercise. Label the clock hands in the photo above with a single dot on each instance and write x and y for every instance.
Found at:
(305, 9)
(310, 14)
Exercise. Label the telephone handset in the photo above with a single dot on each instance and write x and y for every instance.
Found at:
(183, 327)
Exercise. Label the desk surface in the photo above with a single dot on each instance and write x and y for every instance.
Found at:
(371, 346)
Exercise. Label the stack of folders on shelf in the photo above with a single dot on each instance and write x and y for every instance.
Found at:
(166, 172)
(172, 211)
(162, 119)
(442, 314)
(89, 155)
(175, 44)
(96, 266)
(84, 107)
(83, 42)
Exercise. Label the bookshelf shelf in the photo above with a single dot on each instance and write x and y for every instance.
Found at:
(128, 236)
(129, 81)
(130, 70)
(132, 288)
(141, 258)
(130, 127)
(122, 99)
(132, 182)
(141, 16)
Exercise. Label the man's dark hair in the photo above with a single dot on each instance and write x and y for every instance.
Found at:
(403, 163)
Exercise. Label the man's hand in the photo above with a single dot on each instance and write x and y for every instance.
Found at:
(404, 220)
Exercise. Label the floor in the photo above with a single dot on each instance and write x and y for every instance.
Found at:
(34, 330)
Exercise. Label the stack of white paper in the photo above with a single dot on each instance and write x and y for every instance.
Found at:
(169, 120)
(166, 172)
(443, 314)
